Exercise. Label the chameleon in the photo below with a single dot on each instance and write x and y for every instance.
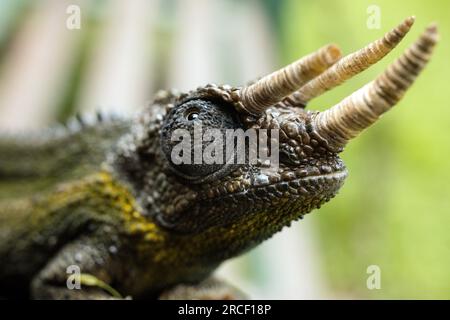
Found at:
(108, 198)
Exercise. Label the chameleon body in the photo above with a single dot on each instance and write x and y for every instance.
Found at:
(108, 198)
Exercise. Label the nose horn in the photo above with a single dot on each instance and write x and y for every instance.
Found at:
(360, 110)
(350, 65)
(274, 87)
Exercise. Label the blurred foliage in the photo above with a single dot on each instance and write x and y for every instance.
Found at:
(12, 14)
(393, 210)
(92, 25)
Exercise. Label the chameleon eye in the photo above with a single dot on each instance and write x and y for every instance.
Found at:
(179, 143)
(192, 114)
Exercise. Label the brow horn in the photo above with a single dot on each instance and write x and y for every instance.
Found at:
(350, 65)
(348, 118)
(274, 87)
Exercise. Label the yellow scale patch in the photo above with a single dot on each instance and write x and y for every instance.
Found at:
(123, 200)
(101, 187)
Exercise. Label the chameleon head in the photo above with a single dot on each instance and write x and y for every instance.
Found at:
(241, 197)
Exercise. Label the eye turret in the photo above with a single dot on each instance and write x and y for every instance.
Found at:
(194, 131)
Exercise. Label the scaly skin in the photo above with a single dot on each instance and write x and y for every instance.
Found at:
(112, 208)
(110, 199)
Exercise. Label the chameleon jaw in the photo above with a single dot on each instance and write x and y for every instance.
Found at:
(298, 183)
(305, 185)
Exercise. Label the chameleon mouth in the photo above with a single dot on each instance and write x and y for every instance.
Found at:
(307, 185)
(263, 186)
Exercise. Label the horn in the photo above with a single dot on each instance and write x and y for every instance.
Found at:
(274, 87)
(350, 65)
(352, 115)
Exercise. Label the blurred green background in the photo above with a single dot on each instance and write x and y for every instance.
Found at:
(393, 211)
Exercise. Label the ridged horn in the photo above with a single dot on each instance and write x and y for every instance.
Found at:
(350, 65)
(277, 85)
(352, 115)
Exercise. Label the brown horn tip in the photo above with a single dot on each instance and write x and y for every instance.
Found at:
(331, 54)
